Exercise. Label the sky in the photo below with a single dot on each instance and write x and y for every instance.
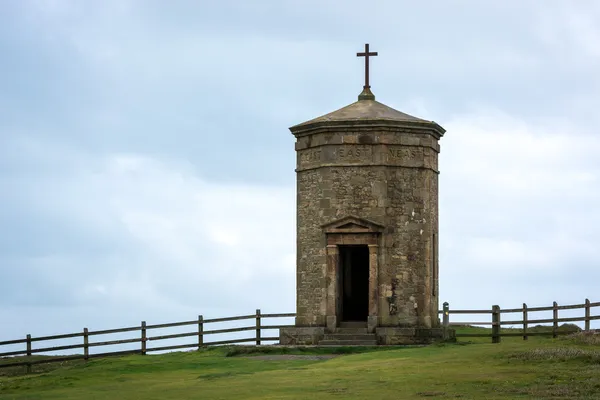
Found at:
(147, 169)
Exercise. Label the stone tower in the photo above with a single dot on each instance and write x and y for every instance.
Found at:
(367, 224)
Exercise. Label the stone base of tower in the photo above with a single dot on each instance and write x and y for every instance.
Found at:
(408, 336)
(390, 336)
(301, 336)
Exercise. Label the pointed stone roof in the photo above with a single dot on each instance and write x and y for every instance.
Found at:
(368, 111)
(364, 110)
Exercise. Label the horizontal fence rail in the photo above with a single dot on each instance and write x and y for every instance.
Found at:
(147, 338)
(525, 323)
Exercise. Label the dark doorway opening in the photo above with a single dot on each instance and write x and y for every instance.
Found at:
(354, 280)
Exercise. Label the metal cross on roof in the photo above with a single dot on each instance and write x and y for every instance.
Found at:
(366, 55)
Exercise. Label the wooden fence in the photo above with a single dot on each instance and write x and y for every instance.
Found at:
(145, 336)
(200, 333)
(524, 324)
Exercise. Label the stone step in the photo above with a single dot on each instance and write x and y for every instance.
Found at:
(353, 324)
(342, 343)
(352, 331)
(349, 336)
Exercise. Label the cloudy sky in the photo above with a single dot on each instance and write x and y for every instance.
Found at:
(147, 170)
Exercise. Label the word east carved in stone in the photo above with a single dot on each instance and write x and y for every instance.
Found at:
(343, 153)
(353, 152)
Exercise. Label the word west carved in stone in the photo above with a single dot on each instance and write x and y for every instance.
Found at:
(310, 156)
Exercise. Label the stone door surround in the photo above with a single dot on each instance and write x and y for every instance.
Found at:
(351, 230)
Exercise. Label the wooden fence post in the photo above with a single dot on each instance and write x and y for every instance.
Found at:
(28, 352)
(524, 321)
(446, 315)
(144, 338)
(554, 319)
(200, 331)
(495, 324)
(587, 314)
(86, 344)
(258, 327)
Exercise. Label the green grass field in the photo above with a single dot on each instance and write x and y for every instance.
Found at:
(540, 368)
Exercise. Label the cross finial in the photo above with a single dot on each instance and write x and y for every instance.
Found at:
(366, 93)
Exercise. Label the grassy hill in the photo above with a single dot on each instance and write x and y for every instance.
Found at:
(540, 368)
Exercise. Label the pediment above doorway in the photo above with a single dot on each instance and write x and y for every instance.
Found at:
(352, 224)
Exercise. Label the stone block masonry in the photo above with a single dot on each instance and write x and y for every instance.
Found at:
(391, 181)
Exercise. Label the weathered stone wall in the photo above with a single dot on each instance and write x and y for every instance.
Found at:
(408, 336)
(389, 176)
(301, 336)
(407, 271)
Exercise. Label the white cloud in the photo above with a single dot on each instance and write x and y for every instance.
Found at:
(178, 238)
(518, 197)
(572, 31)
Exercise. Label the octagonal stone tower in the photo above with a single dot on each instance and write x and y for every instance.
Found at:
(367, 225)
